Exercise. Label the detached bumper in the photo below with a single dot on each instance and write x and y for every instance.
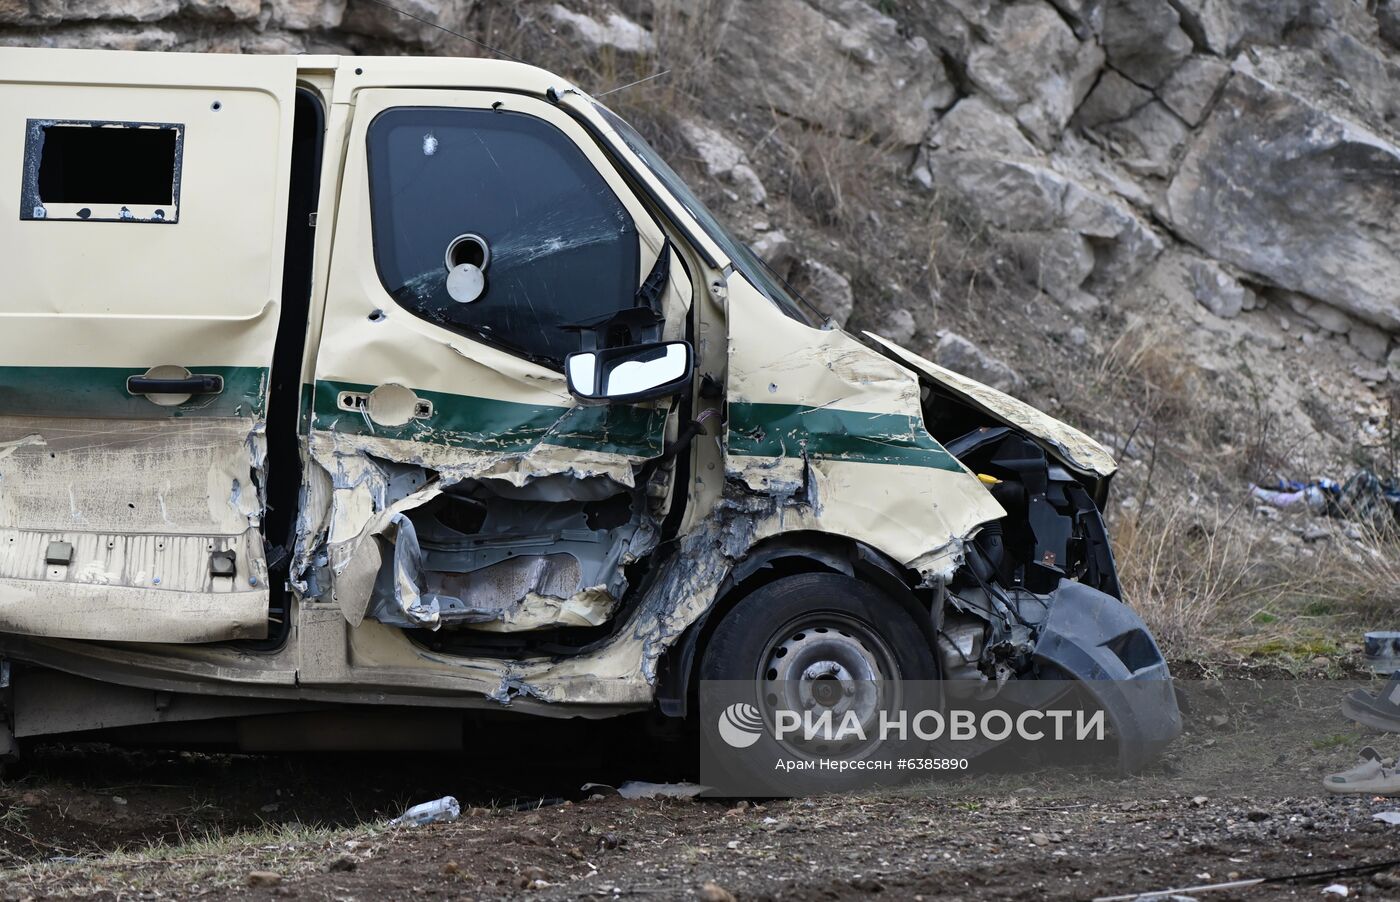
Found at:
(1096, 639)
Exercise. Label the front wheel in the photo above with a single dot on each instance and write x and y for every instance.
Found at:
(818, 658)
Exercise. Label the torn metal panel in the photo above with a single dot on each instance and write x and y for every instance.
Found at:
(109, 529)
(190, 475)
(179, 563)
(539, 455)
(834, 433)
(475, 559)
(113, 613)
(1071, 446)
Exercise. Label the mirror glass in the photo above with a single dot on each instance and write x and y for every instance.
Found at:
(582, 373)
(630, 377)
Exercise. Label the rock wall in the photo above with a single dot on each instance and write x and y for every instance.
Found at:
(1229, 165)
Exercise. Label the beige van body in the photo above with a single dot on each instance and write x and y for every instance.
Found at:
(156, 379)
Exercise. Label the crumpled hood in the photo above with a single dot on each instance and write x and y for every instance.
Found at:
(1073, 447)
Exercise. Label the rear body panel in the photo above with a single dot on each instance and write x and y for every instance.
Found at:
(114, 502)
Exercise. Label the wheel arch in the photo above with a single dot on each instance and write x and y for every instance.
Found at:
(771, 560)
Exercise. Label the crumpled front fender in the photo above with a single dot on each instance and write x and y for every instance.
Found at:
(1065, 443)
(1101, 642)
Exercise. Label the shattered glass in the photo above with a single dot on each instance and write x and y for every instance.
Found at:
(563, 249)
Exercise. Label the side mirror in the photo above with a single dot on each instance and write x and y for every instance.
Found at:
(634, 373)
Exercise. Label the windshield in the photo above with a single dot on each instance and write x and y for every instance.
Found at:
(744, 259)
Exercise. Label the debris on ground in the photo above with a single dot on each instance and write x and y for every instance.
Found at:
(1372, 775)
(1364, 497)
(437, 811)
(641, 789)
(1382, 650)
(638, 789)
(1378, 710)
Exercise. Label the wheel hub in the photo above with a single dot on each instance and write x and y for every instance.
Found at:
(821, 668)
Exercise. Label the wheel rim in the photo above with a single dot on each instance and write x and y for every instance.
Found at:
(825, 661)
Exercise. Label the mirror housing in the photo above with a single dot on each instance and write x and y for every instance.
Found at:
(633, 373)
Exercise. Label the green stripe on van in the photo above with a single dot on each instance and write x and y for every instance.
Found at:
(795, 430)
(100, 392)
(484, 424)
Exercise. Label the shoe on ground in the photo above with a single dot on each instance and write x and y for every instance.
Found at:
(1380, 710)
(1370, 776)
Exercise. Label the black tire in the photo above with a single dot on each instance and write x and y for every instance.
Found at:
(741, 638)
(802, 643)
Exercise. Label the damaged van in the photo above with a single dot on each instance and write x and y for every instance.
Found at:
(369, 391)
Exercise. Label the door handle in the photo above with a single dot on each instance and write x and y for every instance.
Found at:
(193, 384)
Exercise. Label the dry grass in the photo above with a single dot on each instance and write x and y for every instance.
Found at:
(214, 861)
(1186, 571)
(1208, 575)
(1210, 583)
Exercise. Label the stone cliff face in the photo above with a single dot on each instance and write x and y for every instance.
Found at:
(1224, 172)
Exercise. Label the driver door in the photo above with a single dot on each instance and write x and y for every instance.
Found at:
(481, 238)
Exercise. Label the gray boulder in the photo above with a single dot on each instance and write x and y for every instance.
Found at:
(1282, 188)
(825, 288)
(1369, 341)
(1143, 39)
(1218, 291)
(1192, 88)
(975, 126)
(725, 160)
(777, 250)
(1323, 316)
(613, 32)
(1022, 197)
(115, 10)
(1145, 134)
(381, 23)
(1034, 67)
(1388, 21)
(1058, 262)
(1113, 99)
(224, 10)
(305, 15)
(899, 326)
(1222, 26)
(838, 64)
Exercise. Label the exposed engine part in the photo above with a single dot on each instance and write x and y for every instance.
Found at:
(960, 644)
(999, 601)
(1052, 529)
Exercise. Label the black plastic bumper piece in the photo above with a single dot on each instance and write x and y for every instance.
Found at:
(1096, 639)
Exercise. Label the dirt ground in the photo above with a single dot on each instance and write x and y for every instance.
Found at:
(1237, 797)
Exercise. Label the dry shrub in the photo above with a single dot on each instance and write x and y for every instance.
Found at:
(1182, 571)
(832, 177)
(1147, 368)
(970, 266)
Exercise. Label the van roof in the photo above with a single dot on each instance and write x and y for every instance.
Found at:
(108, 66)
